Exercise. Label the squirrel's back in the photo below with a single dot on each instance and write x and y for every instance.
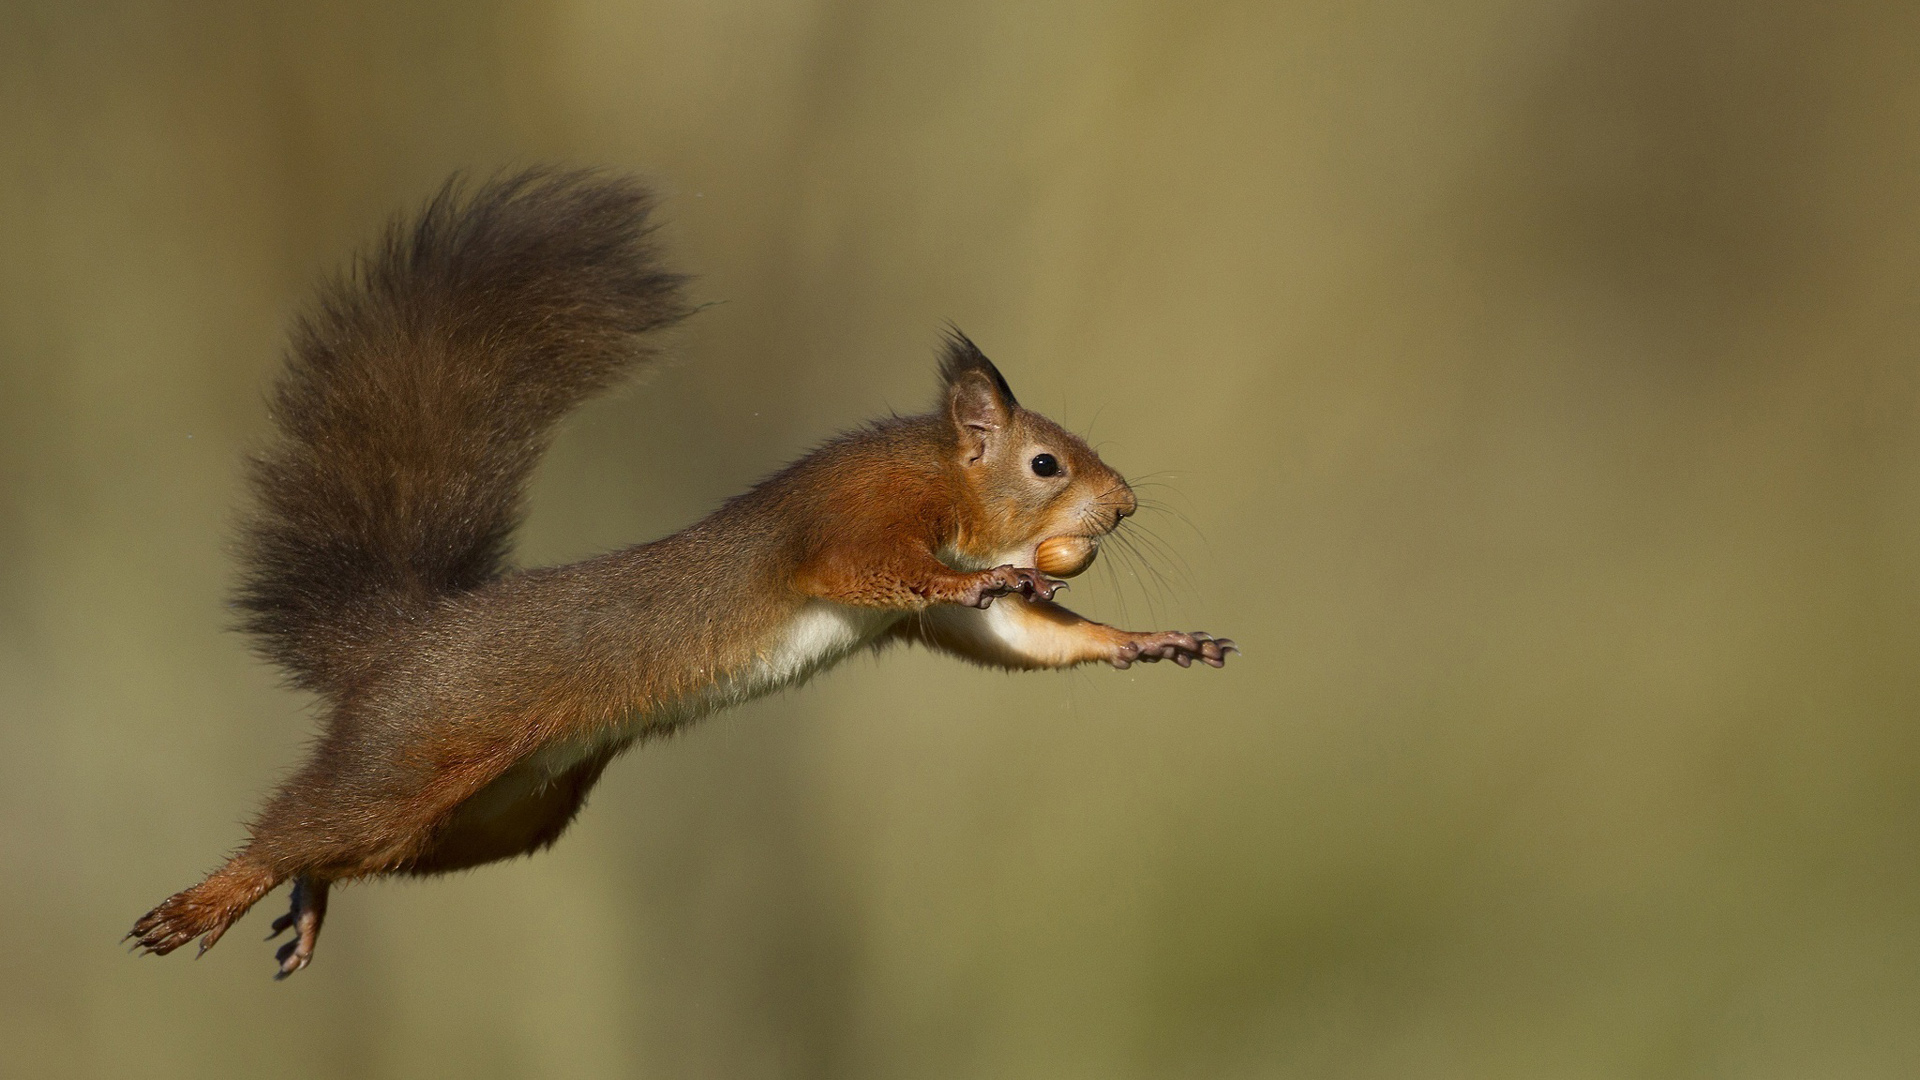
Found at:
(419, 394)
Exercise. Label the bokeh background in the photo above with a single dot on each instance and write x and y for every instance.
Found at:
(1530, 387)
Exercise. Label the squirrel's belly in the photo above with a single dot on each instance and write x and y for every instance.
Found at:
(823, 633)
(819, 635)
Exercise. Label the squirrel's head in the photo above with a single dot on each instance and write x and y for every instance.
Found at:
(1038, 494)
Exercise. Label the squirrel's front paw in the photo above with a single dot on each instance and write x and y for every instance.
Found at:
(1002, 580)
(1181, 648)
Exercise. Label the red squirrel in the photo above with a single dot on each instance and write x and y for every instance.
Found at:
(470, 707)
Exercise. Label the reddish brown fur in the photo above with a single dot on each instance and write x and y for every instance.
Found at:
(416, 402)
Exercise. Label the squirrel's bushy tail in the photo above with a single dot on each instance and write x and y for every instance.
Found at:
(421, 391)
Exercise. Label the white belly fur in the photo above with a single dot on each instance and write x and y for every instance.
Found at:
(821, 635)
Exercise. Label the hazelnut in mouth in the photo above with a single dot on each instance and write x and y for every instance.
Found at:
(1065, 556)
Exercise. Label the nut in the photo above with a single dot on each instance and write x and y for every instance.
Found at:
(1065, 556)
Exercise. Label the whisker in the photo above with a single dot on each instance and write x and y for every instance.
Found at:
(1152, 543)
(1159, 486)
(1150, 539)
(1146, 554)
(1096, 420)
(1157, 491)
(1151, 582)
(1176, 515)
(1148, 482)
(1113, 583)
(1124, 575)
(1175, 563)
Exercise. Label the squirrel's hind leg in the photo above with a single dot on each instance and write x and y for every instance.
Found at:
(204, 911)
(306, 910)
(209, 908)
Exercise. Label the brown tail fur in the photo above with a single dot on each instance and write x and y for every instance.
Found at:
(419, 394)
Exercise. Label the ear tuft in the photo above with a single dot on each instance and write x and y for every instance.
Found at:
(959, 356)
(979, 402)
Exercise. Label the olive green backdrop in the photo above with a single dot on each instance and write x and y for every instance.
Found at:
(1530, 387)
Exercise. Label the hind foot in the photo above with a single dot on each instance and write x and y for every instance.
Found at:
(307, 909)
(204, 911)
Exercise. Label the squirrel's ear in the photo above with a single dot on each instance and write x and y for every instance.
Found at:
(979, 401)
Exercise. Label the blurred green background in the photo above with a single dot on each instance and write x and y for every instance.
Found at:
(1531, 386)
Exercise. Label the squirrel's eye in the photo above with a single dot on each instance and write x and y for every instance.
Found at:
(1045, 465)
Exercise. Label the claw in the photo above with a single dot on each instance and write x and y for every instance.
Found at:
(290, 960)
(1003, 580)
(306, 910)
(208, 939)
(1180, 647)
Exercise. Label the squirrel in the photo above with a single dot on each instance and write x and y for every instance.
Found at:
(470, 707)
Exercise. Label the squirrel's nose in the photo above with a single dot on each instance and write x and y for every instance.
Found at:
(1124, 505)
